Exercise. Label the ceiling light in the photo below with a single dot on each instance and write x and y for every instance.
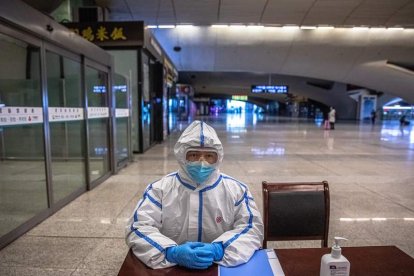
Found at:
(326, 27)
(185, 26)
(378, 29)
(219, 26)
(166, 26)
(308, 27)
(360, 28)
(255, 26)
(237, 26)
(395, 28)
(152, 26)
(290, 27)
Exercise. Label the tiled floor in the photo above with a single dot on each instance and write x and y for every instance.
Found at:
(370, 171)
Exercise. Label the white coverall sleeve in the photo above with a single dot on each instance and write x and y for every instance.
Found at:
(246, 237)
(142, 231)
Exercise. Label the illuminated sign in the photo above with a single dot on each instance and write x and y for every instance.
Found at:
(110, 33)
(99, 89)
(271, 89)
(239, 97)
(120, 88)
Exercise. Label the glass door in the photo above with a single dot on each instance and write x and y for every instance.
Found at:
(120, 89)
(96, 82)
(146, 103)
(67, 125)
(23, 185)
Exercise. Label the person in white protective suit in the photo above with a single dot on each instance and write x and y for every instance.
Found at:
(196, 216)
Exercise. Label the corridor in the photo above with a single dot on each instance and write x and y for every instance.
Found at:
(369, 170)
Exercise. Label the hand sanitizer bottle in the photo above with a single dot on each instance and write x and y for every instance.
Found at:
(335, 264)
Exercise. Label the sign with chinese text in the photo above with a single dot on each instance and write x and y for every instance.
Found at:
(121, 112)
(110, 33)
(15, 115)
(98, 112)
(61, 114)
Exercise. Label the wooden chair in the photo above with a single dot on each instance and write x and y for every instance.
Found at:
(296, 211)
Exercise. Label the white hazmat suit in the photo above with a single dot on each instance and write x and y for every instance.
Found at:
(174, 209)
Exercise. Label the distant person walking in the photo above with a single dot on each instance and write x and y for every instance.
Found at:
(403, 121)
(332, 117)
(373, 116)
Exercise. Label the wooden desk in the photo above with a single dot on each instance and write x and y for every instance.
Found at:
(365, 261)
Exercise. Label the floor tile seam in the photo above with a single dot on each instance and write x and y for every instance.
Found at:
(82, 262)
(127, 203)
(74, 237)
(322, 167)
(37, 267)
(385, 197)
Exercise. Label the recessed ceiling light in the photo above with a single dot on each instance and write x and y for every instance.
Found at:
(189, 26)
(290, 27)
(166, 26)
(360, 28)
(326, 27)
(308, 27)
(219, 26)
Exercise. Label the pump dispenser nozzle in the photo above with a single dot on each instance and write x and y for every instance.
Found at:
(336, 249)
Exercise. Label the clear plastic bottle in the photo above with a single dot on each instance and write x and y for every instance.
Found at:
(335, 264)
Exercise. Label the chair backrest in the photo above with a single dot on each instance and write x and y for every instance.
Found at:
(296, 211)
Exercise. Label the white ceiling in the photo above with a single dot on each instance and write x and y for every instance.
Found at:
(300, 12)
(343, 55)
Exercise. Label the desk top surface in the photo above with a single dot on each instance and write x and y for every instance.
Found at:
(367, 261)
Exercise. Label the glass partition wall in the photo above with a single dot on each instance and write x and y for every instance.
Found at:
(23, 189)
(56, 135)
(98, 122)
(67, 125)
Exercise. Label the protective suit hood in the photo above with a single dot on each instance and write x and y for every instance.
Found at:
(198, 135)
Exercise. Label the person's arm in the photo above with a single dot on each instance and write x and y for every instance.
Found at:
(142, 231)
(246, 237)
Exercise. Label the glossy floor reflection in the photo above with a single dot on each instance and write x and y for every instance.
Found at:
(369, 170)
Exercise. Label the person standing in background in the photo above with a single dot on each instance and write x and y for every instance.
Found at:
(332, 117)
(373, 116)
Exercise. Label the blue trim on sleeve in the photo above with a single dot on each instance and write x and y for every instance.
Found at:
(246, 229)
(201, 135)
(150, 241)
(200, 206)
(237, 181)
(154, 201)
(185, 184)
(241, 200)
(136, 231)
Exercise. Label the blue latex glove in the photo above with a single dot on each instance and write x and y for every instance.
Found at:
(216, 248)
(190, 255)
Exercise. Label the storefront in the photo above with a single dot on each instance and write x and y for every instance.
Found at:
(63, 125)
(139, 59)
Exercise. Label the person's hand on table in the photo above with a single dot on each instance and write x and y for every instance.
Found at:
(190, 255)
(216, 248)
